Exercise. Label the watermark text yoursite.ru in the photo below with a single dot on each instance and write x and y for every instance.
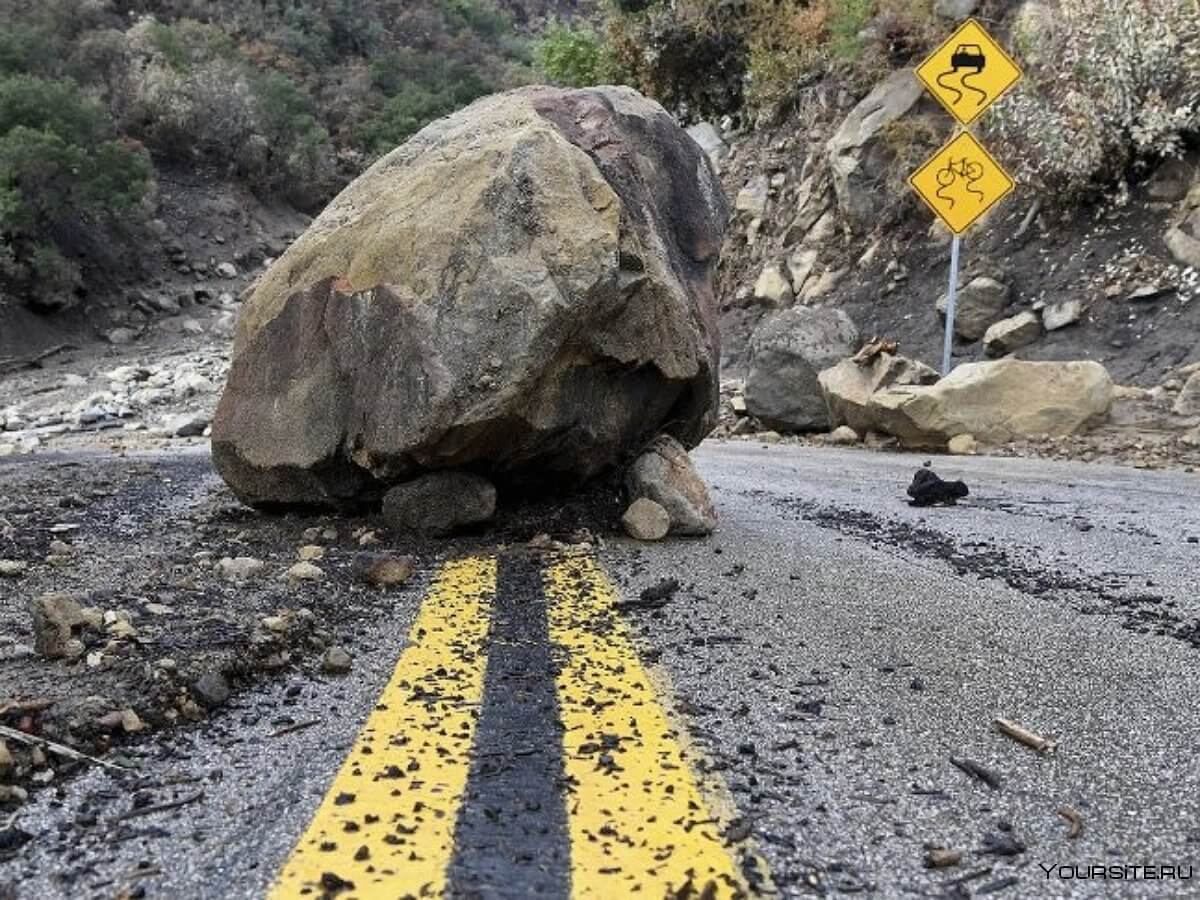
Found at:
(1115, 872)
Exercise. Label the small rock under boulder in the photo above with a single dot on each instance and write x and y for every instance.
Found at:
(664, 473)
(788, 350)
(646, 520)
(524, 289)
(440, 502)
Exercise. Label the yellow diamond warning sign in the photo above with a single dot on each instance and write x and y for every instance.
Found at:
(969, 72)
(961, 182)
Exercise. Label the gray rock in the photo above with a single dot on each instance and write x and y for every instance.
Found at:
(581, 321)
(384, 570)
(800, 265)
(978, 305)
(12, 568)
(856, 154)
(1060, 315)
(336, 661)
(773, 287)
(1188, 401)
(440, 502)
(664, 473)
(788, 350)
(186, 425)
(211, 689)
(646, 520)
(120, 336)
(1183, 237)
(752, 199)
(227, 270)
(706, 135)
(1012, 334)
(843, 435)
(243, 568)
(56, 618)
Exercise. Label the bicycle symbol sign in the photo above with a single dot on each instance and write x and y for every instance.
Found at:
(968, 72)
(961, 182)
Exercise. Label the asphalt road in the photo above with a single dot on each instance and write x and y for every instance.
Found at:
(829, 651)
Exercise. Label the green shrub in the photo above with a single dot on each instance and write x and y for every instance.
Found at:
(24, 49)
(420, 88)
(56, 171)
(572, 56)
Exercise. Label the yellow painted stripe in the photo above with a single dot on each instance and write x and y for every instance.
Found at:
(387, 822)
(639, 824)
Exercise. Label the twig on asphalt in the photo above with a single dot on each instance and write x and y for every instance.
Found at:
(60, 749)
(1076, 820)
(978, 772)
(158, 807)
(295, 726)
(1030, 739)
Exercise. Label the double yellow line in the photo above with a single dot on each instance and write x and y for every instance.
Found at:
(637, 820)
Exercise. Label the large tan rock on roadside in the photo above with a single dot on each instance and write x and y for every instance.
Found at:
(524, 290)
(848, 386)
(996, 401)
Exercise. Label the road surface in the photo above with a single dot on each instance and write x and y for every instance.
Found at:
(825, 656)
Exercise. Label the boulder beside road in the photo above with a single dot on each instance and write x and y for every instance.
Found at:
(849, 386)
(788, 350)
(523, 289)
(995, 402)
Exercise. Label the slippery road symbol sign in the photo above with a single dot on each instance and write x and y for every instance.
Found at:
(968, 72)
(961, 182)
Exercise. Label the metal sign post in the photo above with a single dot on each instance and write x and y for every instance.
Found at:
(952, 296)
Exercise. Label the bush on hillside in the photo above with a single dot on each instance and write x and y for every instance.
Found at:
(58, 168)
(572, 56)
(690, 55)
(1107, 86)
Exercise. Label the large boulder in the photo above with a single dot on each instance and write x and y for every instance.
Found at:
(977, 305)
(858, 156)
(996, 401)
(523, 289)
(788, 350)
(849, 386)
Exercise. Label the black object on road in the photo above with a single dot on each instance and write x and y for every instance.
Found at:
(929, 490)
